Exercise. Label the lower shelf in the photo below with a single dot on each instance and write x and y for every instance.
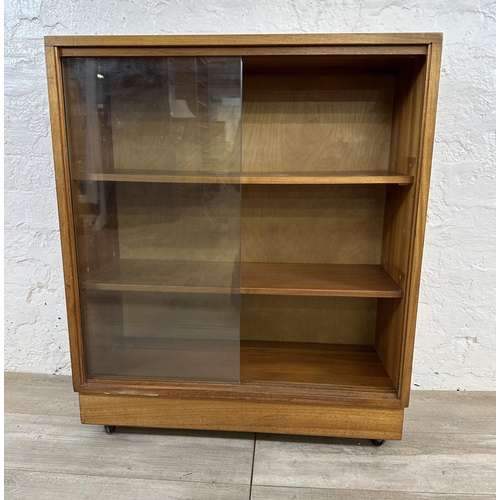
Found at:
(352, 366)
(284, 363)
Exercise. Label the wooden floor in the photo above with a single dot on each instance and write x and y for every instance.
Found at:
(447, 452)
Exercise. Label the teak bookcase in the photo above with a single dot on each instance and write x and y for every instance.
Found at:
(242, 224)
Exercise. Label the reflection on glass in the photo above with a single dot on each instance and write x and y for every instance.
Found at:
(158, 235)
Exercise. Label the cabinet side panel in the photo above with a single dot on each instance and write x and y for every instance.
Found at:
(399, 212)
(425, 153)
(403, 239)
(395, 260)
(60, 151)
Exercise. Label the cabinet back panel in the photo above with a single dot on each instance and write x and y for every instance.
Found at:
(187, 120)
(312, 224)
(183, 222)
(181, 316)
(330, 320)
(153, 114)
(310, 122)
(141, 122)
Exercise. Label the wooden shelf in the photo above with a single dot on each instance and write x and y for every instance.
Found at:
(341, 177)
(344, 177)
(320, 280)
(326, 280)
(307, 363)
(281, 363)
(135, 275)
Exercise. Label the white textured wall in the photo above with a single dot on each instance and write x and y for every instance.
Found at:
(456, 330)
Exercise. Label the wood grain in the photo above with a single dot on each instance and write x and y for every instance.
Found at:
(301, 362)
(275, 393)
(325, 122)
(136, 275)
(344, 177)
(246, 40)
(283, 51)
(237, 415)
(430, 101)
(403, 236)
(320, 280)
(66, 221)
(328, 365)
(327, 280)
(312, 224)
(400, 205)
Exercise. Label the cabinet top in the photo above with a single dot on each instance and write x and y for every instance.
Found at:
(244, 40)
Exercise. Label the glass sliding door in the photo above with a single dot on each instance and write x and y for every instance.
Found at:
(154, 146)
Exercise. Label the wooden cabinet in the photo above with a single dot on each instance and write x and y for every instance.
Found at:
(242, 224)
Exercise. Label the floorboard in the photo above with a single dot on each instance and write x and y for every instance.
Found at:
(447, 452)
(428, 461)
(22, 485)
(279, 493)
(59, 444)
(451, 412)
(40, 395)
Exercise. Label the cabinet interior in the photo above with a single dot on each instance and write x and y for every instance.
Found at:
(245, 220)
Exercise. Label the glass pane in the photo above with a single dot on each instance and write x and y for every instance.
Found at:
(155, 158)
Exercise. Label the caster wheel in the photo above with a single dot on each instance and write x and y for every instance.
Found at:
(110, 429)
(378, 442)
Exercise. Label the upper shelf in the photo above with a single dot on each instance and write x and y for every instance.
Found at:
(340, 177)
(147, 275)
(326, 280)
